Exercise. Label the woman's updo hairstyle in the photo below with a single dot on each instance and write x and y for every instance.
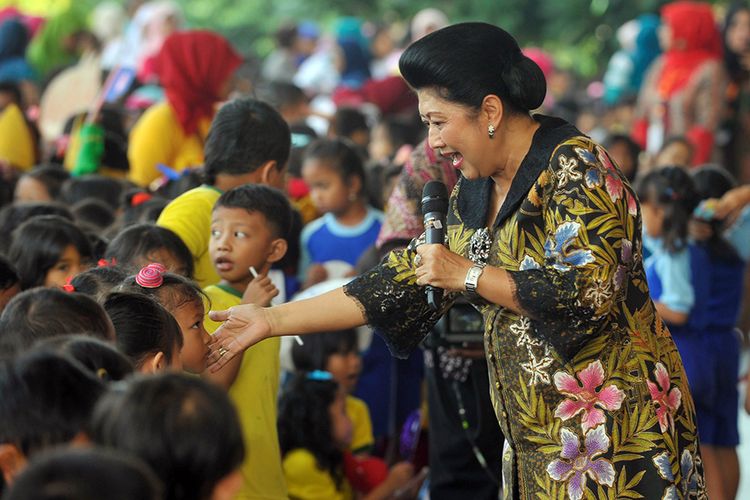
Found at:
(469, 61)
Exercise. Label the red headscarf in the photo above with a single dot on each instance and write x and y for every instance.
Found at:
(695, 40)
(192, 67)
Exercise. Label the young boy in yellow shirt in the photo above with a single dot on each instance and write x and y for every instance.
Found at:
(248, 231)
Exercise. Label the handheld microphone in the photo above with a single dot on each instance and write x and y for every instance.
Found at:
(434, 208)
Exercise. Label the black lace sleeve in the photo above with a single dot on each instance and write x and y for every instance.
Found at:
(394, 304)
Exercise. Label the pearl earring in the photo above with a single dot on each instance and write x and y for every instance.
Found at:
(491, 130)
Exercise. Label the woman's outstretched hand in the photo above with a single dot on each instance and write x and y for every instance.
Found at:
(244, 325)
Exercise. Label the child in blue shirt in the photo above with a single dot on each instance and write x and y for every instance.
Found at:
(332, 244)
(696, 289)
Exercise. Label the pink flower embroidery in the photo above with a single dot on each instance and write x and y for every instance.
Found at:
(585, 397)
(632, 205)
(668, 401)
(576, 467)
(612, 181)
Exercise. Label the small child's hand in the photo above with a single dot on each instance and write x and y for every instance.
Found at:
(260, 291)
(316, 273)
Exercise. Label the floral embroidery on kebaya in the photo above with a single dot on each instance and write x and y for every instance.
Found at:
(585, 398)
(668, 401)
(575, 466)
(568, 171)
(557, 251)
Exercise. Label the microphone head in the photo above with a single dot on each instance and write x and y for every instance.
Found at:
(434, 198)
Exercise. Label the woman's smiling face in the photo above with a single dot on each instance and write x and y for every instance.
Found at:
(455, 132)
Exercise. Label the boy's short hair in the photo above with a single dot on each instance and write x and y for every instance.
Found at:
(262, 199)
(8, 274)
(245, 134)
(47, 400)
(86, 474)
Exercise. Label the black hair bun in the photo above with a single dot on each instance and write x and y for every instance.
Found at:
(525, 83)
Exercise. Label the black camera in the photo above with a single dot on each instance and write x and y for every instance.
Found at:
(460, 326)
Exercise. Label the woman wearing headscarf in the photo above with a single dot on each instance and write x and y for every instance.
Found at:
(544, 239)
(14, 37)
(57, 44)
(684, 89)
(195, 68)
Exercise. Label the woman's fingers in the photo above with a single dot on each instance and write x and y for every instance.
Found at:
(219, 315)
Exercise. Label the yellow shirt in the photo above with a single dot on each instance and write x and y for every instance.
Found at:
(359, 414)
(254, 394)
(17, 145)
(189, 216)
(306, 481)
(157, 137)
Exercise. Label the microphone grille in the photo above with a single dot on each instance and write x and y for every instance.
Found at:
(434, 197)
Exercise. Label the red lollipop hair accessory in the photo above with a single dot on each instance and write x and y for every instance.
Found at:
(151, 276)
(68, 286)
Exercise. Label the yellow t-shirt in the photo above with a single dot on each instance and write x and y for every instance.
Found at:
(359, 414)
(189, 216)
(157, 137)
(254, 394)
(306, 481)
(17, 145)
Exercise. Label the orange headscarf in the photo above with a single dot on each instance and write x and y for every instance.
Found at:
(192, 67)
(695, 40)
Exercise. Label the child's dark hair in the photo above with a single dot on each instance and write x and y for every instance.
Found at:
(98, 187)
(340, 154)
(282, 95)
(39, 243)
(262, 199)
(672, 189)
(100, 358)
(185, 428)
(632, 147)
(141, 241)
(313, 354)
(42, 313)
(305, 422)
(8, 275)
(47, 400)
(94, 213)
(98, 282)
(14, 215)
(174, 291)
(678, 139)
(86, 474)
(51, 176)
(347, 121)
(713, 181)
(143, 327)
(245, 134)
(141, 207)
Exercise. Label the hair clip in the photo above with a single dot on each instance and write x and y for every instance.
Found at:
(319, 375)
(671, 194)
(151, 276)
(106, 263)
(139, 198)
(68, 286)
(102, 374)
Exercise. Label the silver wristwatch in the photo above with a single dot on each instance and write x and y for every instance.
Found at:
(472, 277)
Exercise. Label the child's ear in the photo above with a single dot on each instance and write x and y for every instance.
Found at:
(228, 486)
(12, 462)
(154, 364)
(279, 246)
(355, 186)
(268, 173)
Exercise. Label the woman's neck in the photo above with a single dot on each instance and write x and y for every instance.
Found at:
(515, 142)
(353, 215)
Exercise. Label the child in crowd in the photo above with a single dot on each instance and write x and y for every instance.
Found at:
(43, 184)
(248, 144)
(720, 346)
(48, 251)
(677, 151)
(41, 313)
(146, 333)
(139, 245)
(98, 282)
(10, 285)
(47, 401)
(12, 216)
(332, 244)
(248, 230)
(682, 281)
(100, 358)
(86, 474)
(626, 154)
(351, 124)
(184, 428)
(338, 354)
(184, 300)
(315, 433)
